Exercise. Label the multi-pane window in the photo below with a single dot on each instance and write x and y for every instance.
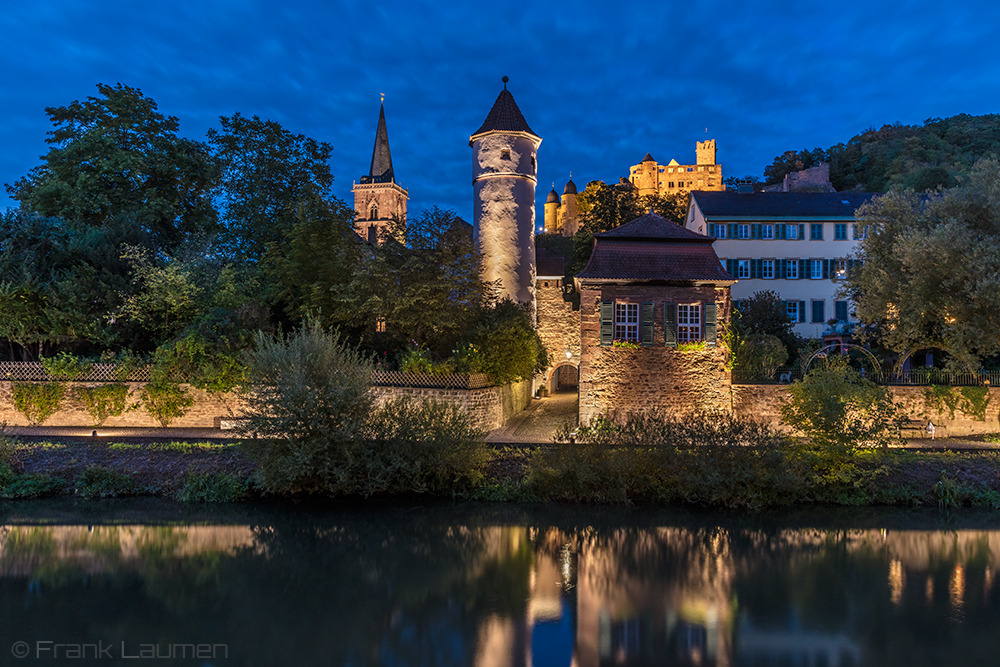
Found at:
(767, 269)
(816, 231)
(860, 231)
(743, 268)
(767, 231)
(840, 231)
(792, 269)
(840, 269)
(815, 269)
(819, 311)
(791, 232)
(742, 231)
(688, 322)
(627, 321)
(792, 308)
(716, 231)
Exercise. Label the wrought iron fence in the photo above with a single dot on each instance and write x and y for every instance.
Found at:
(916, 377)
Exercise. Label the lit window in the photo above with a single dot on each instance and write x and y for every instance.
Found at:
(627, 321)
(380, 324)
(688, 322)
(841, 269)
(743, 268)
(792, 269)
(767, 269)
(815, 269)
(840, 231)
(767, 231)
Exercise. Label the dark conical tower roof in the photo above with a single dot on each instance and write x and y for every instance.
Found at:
(505, 116)
(381, 169)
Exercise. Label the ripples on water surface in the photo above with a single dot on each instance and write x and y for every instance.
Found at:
(494, 586)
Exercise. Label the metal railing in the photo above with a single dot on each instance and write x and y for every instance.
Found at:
(917, 377)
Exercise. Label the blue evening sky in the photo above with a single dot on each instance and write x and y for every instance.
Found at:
(602, 82)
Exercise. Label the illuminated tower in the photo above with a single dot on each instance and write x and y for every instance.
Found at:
(377, 198)
(504, 168)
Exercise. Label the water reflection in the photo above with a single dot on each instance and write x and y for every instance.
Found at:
(502, 587)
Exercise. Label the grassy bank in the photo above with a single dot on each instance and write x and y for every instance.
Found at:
(778, 473)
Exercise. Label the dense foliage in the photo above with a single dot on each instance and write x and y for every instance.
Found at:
(900, 157)
(929, 270)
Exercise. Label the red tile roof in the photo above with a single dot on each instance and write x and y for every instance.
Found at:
(641, 261)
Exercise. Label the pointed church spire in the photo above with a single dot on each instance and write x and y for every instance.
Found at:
(381, 169)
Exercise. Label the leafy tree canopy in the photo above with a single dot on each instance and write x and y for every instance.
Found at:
(266, 172)
(115, 157)
(930, 276)
(899, 157)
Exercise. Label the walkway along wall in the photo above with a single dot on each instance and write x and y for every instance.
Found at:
(959, 410)
(489, 407)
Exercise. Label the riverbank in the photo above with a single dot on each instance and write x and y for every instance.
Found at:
(220, 470)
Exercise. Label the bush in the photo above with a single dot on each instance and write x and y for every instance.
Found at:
(65, 367)
(218, 488)
(165, 401)
(103, 401)
(307, 398)
(837, 408)
(315, 429)
(13, 482)
(717, 460)
(508, 348)
(98, 482)
(37, 401)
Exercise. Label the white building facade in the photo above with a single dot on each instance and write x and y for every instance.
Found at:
(794, 243)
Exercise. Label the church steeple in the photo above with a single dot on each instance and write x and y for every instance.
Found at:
(381, 169)
(379, 202)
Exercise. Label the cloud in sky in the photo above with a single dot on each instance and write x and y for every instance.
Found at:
(602, 83)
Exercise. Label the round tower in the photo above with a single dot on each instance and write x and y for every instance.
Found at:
(570, 211)
(504, 168)
(552, 212)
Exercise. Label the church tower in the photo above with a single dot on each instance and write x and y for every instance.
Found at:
(504, 168)
(377, 198)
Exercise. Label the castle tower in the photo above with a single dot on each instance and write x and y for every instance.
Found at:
(377, 198)
(552, 212)
(504, 168)
(705, 151)
(645, 176)
(569, 212)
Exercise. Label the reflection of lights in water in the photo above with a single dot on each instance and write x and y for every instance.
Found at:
(897, 579)
(956, 588)
(566, 566)
(930, 590)
(987, 582)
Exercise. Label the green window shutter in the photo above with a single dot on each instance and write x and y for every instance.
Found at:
(731, 267)
(755, 268)
(840, 308)
(670, 324)
(755, 231)
(803, 268)
(647, 324)
(730, 231)
(802, 311)
(780, 268)
(802, 231)
(607, 323)
(826, 269)
(711, 327)
(779, 232)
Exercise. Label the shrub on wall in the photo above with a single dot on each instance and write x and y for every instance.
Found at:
(37, 401)
(103, 401)
(165, 401)
(65, 367)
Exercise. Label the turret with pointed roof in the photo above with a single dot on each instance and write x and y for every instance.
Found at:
(504, 174)
(377, 198)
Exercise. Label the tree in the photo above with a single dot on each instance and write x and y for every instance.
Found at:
(115, 157)
(266, 172)
(764, 313)
(928, 273)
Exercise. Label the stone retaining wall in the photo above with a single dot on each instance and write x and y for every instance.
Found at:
(490, 406)
(955, 412)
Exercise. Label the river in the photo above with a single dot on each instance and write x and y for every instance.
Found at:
(481, 585)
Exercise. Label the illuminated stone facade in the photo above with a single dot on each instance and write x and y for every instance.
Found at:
(651, 178)
(378, 200)
(562, 216)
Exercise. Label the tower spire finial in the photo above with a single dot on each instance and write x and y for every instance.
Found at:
(505, 80)
(383, 96)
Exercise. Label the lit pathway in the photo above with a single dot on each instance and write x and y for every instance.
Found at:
(539, 421)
